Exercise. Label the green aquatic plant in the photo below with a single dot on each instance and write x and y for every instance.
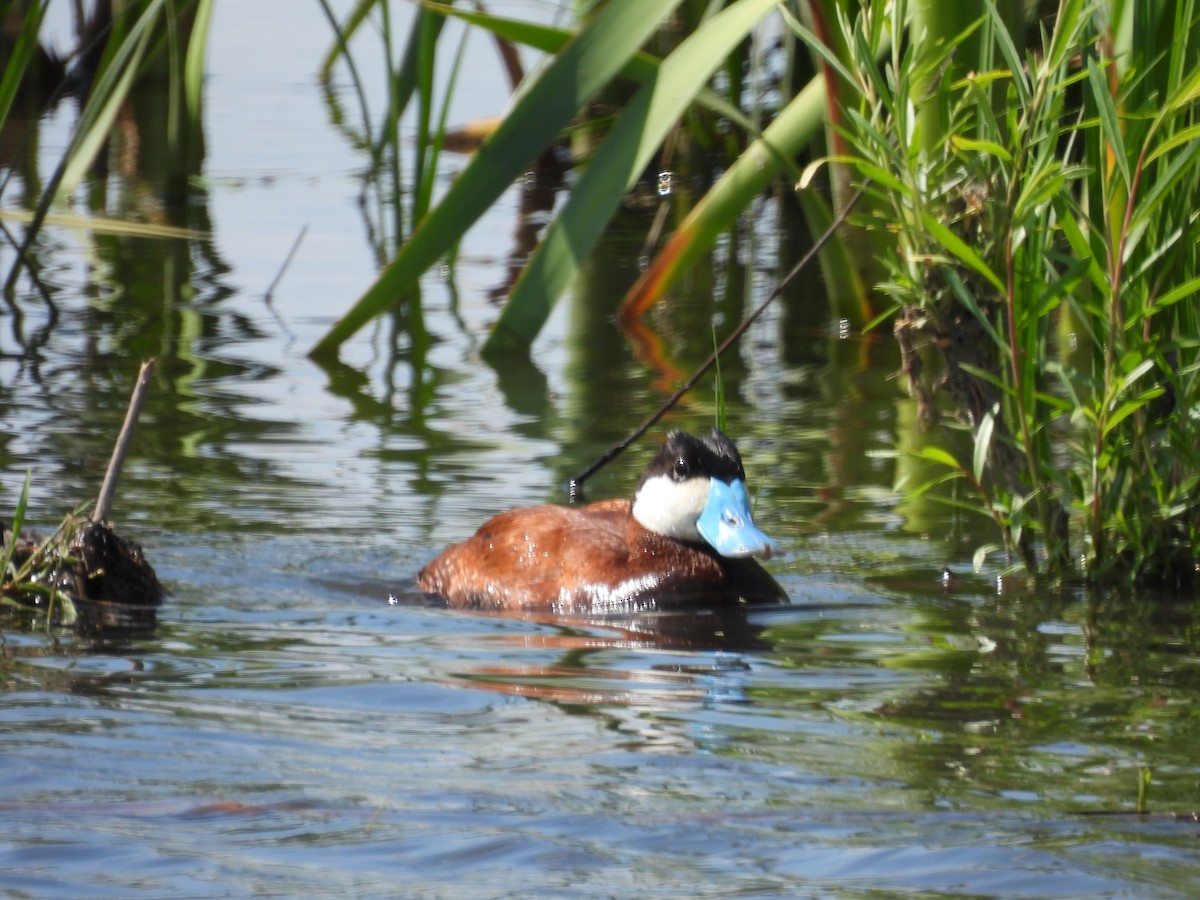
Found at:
(37, 575)
(399, 202)
(1042, 247)
(8, 544)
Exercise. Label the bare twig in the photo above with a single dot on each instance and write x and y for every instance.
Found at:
(104, 501)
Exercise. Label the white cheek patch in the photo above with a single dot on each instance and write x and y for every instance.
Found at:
(670, 507)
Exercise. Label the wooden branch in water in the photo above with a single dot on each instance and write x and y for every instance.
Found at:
(104, 501)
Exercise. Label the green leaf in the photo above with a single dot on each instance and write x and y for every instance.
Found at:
(345, 31)
(6, 551)
(1183, 165)
(991, 148)
(193, 70)
(938, 455)
(641, 66)
(107, 97)
(1082, 248)
(1182, 138)
(955, 246)
(1129, 407)
(967, 299)
(1189, 287)
(21, 51)
(586, 64)
(1109, 125)
(818, 46)
(626, 151)
(983, 443)
(981, 554)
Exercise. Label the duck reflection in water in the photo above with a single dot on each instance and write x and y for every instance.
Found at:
(686, 540)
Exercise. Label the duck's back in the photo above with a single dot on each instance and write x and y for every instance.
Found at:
(592, 557)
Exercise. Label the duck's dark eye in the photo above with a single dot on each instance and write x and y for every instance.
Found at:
(681, 468)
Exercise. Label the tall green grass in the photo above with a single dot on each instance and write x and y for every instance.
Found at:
(1045, 245)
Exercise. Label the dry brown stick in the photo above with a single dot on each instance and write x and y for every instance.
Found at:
(104, 501)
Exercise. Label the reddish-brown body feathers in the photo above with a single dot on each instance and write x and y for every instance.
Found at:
(592, 557)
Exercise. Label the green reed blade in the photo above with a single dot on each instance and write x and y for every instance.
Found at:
(193, 68)
(18, 521)
(108, 95)
(22, 52)
(640, 67)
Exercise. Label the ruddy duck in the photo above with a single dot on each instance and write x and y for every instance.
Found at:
(686, 538)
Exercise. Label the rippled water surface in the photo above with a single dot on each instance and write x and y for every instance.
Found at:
(302, 723)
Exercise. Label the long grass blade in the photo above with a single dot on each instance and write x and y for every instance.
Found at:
(22, 52)
(6, 551)
(959, 248)
(344, 32)
(193, 68)
(641, 66)
(1109, 124)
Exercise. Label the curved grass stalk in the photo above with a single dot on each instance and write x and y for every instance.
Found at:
(7, 571)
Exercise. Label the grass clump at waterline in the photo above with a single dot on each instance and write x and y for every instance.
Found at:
(85, 574)
(1042, 271)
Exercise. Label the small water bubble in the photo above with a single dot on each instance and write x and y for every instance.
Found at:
(393, 600)
(843, 329)
(665, 180)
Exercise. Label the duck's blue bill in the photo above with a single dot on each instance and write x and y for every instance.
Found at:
(727, 525)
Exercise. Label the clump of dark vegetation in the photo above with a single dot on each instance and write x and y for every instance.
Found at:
(84, 574)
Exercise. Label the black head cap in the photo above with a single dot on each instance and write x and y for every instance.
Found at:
(685, 456)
